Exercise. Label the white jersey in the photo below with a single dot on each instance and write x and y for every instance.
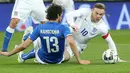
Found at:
(25, 8)
(88, 29)
(67, 4)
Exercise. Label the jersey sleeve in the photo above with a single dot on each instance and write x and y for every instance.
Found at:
(76, 13)
(106, 36)
(103, 29)
(66, 31)
(35, 34)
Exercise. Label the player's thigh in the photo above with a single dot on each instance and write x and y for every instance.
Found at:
(38, 14)
(21, 10)
(14, 22)
(39, 59)
(68, 52)
(69, 6)
(67, 55)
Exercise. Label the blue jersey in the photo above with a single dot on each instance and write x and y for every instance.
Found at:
(52, 35)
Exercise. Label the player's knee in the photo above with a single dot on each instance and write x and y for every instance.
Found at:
(67, 56)
(14, 22)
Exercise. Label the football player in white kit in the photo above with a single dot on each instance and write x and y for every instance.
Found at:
(21, 11)
(87, 24)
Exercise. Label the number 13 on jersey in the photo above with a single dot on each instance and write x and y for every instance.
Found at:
(54, 40)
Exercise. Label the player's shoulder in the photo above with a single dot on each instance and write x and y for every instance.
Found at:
(102, 26)
(40, 25)
(64, 26)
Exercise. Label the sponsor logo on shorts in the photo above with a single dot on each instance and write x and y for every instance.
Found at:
(15, 13)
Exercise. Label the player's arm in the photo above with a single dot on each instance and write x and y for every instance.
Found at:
(70, 16)
(110, 42)
(19, 48)
(112, 45)
(75, 50)
(70, 40)
(24, 44)
(73, 46)
(106, 36)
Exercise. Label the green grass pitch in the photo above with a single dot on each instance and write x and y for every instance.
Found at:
(94, 52)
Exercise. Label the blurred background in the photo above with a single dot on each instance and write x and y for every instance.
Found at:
(117, 15)
(12, 1)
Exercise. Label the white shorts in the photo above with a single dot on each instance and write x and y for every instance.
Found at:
(25, 8)
(81, 47)
(37, 44)
(42, 62)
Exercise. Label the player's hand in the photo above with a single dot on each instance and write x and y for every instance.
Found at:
(75, 27)
(4, 53)
(84, 62)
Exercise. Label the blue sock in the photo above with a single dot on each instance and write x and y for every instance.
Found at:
(26, 36)
(29, 55)
(6, 42)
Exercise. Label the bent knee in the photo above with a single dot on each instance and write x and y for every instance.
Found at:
(14, 22)
(67, 56)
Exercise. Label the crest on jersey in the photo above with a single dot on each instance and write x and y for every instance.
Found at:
(94, 30)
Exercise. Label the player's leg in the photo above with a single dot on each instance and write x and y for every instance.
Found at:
(37, 44)
(69, 6)
(31, 54)
(38, 57)
(68, 54)
(10, 29)
(18, 13)
(9, 32)
(38, 14)
(82, 47)
(22, 56)
(27, 33)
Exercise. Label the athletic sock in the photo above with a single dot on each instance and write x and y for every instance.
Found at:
(8, 35)
(29, 55)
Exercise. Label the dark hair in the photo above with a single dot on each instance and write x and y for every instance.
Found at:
(54, 11)
(100, 6)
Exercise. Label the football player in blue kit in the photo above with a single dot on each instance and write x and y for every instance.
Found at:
(52, 35)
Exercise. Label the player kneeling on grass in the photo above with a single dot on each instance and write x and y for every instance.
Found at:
(87, 24)
(52, 36)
